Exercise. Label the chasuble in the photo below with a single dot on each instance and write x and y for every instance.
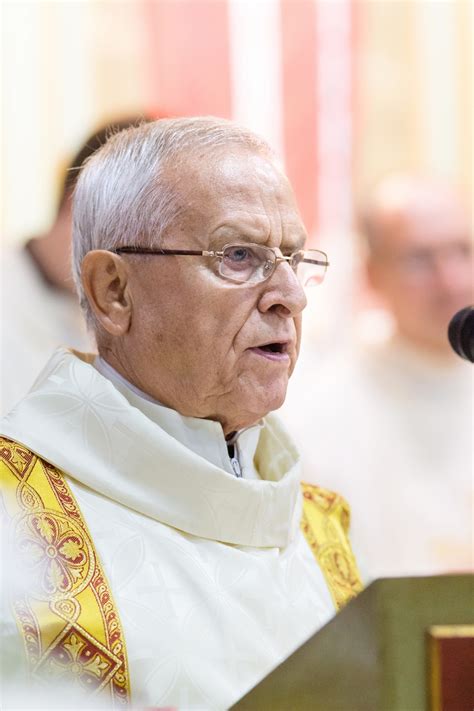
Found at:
(155, 574)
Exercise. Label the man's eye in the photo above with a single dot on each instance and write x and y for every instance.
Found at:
(238, 254)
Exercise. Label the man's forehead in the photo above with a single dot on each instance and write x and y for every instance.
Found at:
(237, 166)
(422, 224)
(431, 223)
(239, 193)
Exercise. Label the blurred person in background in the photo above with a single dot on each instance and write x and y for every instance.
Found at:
(39, 307)
(390, 421)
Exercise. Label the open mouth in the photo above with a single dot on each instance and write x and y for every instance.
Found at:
(273, 348)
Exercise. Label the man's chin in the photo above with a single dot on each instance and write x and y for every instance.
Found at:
(251, 402)
(272, 399)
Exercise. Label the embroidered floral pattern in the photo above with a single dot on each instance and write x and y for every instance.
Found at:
(58, 550)
(77, 659)
(54, 545)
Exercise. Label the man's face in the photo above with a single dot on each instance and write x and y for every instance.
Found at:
(423, 268)
(199, 343)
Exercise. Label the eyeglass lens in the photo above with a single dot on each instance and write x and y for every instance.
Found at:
(255, 263)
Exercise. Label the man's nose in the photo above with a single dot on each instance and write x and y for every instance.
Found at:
(283, 292)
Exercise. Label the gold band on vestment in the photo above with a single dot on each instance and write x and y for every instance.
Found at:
(325, 525)
(63, 607)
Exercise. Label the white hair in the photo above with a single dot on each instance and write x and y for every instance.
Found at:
(124, 194)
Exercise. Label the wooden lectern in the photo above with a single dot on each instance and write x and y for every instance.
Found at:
(404, 644)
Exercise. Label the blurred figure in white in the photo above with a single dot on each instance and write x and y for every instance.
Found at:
(39, 308)
(390, 421)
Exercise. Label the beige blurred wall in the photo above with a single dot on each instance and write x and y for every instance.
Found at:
(413, 94)
(71, 65)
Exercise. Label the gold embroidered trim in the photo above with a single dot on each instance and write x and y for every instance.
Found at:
(325, 525)
(65, 613)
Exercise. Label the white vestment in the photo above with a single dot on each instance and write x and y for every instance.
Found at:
(212, 577)
(391, 430)
(36, 318)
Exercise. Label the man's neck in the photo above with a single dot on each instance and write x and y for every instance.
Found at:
(205, 437)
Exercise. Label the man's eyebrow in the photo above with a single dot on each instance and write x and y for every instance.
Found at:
(252, 228)
(234, 233)
(228, 234)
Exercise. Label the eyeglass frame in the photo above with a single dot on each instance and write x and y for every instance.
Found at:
(219, 254)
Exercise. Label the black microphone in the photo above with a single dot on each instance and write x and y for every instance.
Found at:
(461, 333)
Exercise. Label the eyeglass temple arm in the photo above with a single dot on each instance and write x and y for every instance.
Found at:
(317, 261)
(305, 259)
(144, 250)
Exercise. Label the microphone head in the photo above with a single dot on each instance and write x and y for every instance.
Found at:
(461, 333)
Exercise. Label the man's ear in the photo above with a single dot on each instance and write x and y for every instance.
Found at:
(105, 281)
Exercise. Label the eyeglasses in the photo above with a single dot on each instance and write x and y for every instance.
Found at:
(251, 263)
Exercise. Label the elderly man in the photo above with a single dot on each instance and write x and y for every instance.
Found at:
(402, 405)
(155, 503)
